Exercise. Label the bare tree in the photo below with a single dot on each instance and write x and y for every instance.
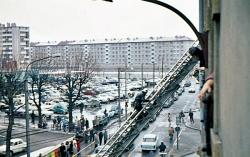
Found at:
(10, 85)
(38, 80)
(74, 83)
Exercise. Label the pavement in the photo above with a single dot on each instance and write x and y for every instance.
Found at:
(189, 138)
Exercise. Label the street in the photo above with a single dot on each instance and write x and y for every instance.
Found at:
(160, 125)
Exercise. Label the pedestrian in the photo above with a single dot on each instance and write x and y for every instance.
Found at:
(162, 147)
(105, 136)
(171, 134)
(82, 122)
(169, 117)
(54, 123)
(71, 148)
(191, 116)
(87, 123)
(96, 140)
(32, 117)
(59, 123)
(92, 136)
(105, 113)
(78, 145)
(100, 137)
(182, 115)
(63, 150)
(67, 148)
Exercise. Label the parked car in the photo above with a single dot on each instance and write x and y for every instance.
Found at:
(60, 108)
(149, 142)
(191, 90)
(3, 106)
(16, 145)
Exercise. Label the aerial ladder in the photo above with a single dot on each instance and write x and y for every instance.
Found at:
(131, 128)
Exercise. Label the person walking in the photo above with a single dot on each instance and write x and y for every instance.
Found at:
(87, 123)
(100, 137)
(191, 116)
(162, 149)
(171, 134)
(62, 150)
(96, 140)
(105, 136)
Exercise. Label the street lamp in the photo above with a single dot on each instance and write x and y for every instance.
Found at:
(26, 100)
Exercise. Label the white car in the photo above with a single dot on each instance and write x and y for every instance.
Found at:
(16, 145)
(191, 90)
(149, 142)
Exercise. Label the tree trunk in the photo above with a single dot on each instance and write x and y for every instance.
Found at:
(70, 108)
(40, 118)
(9, 130)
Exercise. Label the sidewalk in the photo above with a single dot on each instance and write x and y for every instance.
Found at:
(189, 138)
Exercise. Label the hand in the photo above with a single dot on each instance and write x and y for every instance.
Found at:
(207, 87)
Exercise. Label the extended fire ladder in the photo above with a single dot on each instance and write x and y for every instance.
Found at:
(131, 128)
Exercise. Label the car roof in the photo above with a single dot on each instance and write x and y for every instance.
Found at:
(149, 136)
(16, 139)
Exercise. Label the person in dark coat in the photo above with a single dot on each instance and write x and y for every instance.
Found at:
(87, 123)
(191, 116)
(105, 136)
(92, 135)
(62, 150)
(100, 137)
(162, 147)
(32, 115)
(139, 99)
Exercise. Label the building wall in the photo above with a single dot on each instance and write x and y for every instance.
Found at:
(233, 73)
(14, 45)
(109, 55)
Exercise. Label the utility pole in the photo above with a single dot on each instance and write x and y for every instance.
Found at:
(142, 75)
(162, 60)
(119, 100)
(153, 73)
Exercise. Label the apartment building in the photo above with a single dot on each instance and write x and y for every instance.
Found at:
(110, 54)
(14, 46)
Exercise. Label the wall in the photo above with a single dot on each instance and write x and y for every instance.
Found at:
(234, 78)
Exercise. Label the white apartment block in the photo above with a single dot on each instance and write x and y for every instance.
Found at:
(109, 55)
(14, 46)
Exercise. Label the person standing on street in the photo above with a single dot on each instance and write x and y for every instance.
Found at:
(87, 123)
(92, 136)
(33, 117)
(62, 150)
(105, 136)
(191, 116)
(97, 141)
(100, 137)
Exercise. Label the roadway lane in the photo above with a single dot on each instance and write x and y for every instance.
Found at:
(160, 125)
(39, 138)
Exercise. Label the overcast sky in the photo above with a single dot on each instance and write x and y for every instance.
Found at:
(56, 20)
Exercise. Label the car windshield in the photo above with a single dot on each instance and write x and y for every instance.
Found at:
(149, 140)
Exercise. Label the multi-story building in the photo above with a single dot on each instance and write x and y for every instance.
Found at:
(108, 55)
(14, 46)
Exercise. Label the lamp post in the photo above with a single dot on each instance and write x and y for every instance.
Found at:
(26, 101)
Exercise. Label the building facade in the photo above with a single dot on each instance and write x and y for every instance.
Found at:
(108, 55)
(14, 46)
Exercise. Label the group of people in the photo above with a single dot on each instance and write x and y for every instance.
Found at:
(101, 136)
(68, 149)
